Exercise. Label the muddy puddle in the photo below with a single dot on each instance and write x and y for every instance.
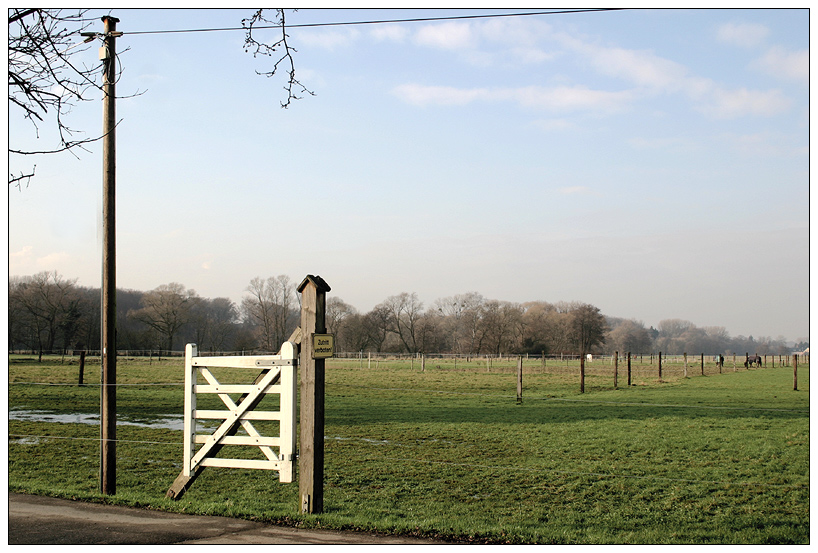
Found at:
(169, 422)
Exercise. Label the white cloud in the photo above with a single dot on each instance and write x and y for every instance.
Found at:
(653, 74)
(639, 67)
(392, 33)
(786, 64)
(438, 95)
(329, 40)
(763, 144)
(24, 253)
(488, 43)
(49, 261)
(558, 99)
(726, 104)
(742, 34)
(25, 261)
(573, 98)
(449, 36)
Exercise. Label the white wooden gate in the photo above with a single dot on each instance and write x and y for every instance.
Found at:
(277, 376)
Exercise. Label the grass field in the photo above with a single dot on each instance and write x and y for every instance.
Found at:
(449, 453)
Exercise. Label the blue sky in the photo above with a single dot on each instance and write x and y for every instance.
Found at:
(654, 163)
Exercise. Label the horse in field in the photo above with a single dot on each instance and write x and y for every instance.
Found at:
(752, 359)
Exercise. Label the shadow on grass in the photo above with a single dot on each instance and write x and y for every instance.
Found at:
(443, 409)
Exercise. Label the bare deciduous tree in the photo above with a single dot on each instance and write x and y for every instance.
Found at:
(214, 323)
(166, 309)
(39, 306)
(405, 312)
(587, 327)
(270, 308)
(44, 80)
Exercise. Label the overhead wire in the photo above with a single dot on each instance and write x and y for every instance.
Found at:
(375, 22)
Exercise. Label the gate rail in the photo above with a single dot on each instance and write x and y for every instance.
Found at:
(277, 376)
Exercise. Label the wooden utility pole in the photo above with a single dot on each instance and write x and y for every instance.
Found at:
(108, 388)
(313, 292)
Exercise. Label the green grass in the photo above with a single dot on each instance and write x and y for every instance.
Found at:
(449, 453)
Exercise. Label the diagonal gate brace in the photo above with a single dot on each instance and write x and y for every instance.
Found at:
(269, 376)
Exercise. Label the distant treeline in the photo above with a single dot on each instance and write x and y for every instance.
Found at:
(48, 313)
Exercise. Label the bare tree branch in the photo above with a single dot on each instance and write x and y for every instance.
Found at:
(280, 49)
(43, 82)
(18, 180)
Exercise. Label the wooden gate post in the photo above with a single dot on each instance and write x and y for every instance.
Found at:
(313, 292)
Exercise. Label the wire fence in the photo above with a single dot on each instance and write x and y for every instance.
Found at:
(601, 365)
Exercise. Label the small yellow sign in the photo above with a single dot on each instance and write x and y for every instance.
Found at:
(323, 346)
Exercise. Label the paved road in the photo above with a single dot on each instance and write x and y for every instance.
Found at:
(36, 520)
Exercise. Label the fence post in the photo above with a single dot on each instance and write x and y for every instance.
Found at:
(795, 372)
(520, 379)
(629, 368)
(616, 368)
(82, 367)
(685, 365)
(660, 365)
(313, 290)
(582, 373)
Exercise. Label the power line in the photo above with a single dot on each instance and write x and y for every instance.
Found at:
(374, 22)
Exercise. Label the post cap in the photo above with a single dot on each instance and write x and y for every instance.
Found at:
(319, 283)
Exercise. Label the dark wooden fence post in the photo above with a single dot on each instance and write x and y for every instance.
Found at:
(313, 292)
(520, 379)
(703, 365)
(795, 372)
(616, 368)
(582, 374)
(82, 367)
